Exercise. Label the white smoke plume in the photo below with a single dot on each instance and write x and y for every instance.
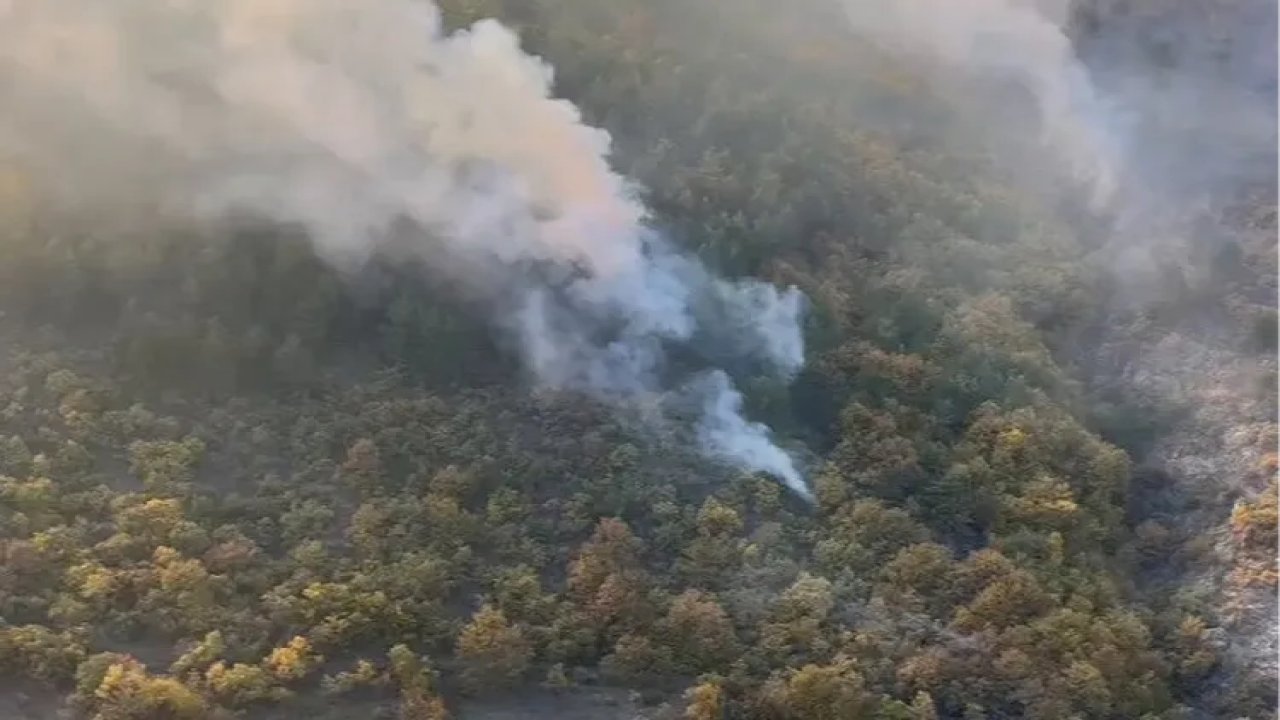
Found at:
(358, 120)
(1014, 41)
(727, 434)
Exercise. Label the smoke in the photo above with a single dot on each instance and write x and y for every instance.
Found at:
(367, 124)
(1165, 111)
(727, 434)
(1198, 78)
(1158, 109)
(1018, 42)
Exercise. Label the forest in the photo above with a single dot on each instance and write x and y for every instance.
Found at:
(1033, 432)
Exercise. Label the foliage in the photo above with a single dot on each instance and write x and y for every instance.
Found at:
(277, 480)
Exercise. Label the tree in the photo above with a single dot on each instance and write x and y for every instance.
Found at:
(796, 623)
(156, 520)
(699, 632)
(415, 706)
(865, 534)
(636, 659)
(922, 707)
(39, 653)
(612, 550)
(416, 680)
(164, 466)
(704, 701)
(1009, 600)
(970, 554)
(1045, 504)
(518, 593)
(557, 679)
(1253, 523)
(241, 684)
(292, 661)
(607, 579)
(364, 674)
(201, 655)
(1195, 653)
(716, 551)
(128, 692)
(185, 593)
(494, 652)
(820, 692)
(924, 568)
(363, 466)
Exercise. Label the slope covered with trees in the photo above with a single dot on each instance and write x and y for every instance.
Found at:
(236, 481)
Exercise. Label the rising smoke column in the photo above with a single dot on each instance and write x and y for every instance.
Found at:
(1014, 41)
(357, 119)
(1138, 132)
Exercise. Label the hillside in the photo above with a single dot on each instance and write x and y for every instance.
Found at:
(933, 375)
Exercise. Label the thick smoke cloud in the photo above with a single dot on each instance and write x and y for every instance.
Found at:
(366, 123)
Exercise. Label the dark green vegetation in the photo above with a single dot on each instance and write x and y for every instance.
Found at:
(233, 481)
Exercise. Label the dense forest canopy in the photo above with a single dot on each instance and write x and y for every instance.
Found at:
(714, 360)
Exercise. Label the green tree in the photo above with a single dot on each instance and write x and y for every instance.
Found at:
(128, 692)
(36, 652)
(704, 701)
(797, 622)
(699, 632)
(417, 684)
(820, 692)
(494, 652)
